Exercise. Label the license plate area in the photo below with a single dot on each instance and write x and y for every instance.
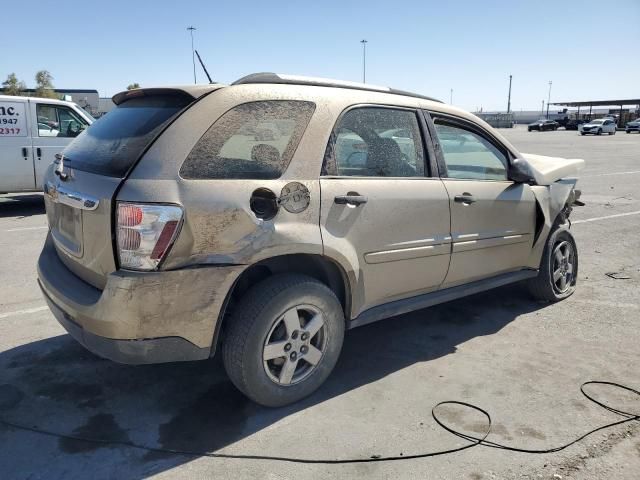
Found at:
(66, 228)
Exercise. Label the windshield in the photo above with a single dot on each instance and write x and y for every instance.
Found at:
(113, 143)
(597, 122)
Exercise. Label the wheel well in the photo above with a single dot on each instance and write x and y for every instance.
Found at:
(315, 266)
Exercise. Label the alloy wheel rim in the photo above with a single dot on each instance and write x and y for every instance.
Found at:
(294, 345)
(563, 266)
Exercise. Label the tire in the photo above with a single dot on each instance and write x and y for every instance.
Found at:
(599, 132)
(259, 321)
(543, 287)
(582, 133)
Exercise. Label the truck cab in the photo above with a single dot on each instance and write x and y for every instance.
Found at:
(32, 131)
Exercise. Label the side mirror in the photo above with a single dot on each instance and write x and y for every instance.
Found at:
(520, 171)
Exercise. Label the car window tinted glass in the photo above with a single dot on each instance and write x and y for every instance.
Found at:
(112, 144)
(377, 142)
(254, 140)
(469, 155)
(58, 121)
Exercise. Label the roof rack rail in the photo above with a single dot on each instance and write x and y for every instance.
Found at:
(277, 78)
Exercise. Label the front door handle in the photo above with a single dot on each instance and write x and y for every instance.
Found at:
(25, 153)
(38, 153)
(465, 198)
(351, 198)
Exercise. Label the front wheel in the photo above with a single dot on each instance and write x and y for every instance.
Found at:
(284, 339)
(558, 272)
(599, 132)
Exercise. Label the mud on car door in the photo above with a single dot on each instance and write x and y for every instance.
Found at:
(492, 217)
(381, 214)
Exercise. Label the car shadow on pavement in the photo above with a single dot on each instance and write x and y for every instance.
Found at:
(21, 205)
(57, 385)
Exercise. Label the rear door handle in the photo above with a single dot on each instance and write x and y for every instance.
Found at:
(25, 153)
(464, 198)
(350, 198)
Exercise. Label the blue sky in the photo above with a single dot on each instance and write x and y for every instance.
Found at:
(424, 46)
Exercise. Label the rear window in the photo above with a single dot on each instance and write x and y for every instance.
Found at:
(112, 144)
(252, 141)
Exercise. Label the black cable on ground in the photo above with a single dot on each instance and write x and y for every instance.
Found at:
(473, 441)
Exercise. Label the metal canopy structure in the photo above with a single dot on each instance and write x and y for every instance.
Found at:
(601, 103)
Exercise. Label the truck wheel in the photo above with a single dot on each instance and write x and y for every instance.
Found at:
(284, 339)
(558, 272)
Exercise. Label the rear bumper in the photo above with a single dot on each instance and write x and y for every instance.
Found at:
(151, 317)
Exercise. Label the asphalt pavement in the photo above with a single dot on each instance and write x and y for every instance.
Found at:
(520, 360)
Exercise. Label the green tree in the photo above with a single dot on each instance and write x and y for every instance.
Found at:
(44, 85)
(131, 86)
(13, 86)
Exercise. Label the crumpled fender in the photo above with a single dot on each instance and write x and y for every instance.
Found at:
(547, 170)
(552, 200)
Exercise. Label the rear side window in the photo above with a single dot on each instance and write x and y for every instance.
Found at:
(254, 141)
(376, 142)
(112, 144)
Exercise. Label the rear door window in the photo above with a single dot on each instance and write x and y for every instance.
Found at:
(112, 144)
(376, 142)
(253, 140)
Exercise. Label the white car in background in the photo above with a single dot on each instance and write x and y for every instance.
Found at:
(598, 127)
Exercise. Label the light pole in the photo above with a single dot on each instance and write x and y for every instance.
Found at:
(509, 97)
(364, 60)
(542, 111)
(193, 55)
(451, 97)
(549, 99)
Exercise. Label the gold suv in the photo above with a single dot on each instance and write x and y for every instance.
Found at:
(267, 217)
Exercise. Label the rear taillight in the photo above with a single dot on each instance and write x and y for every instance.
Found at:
(145, 232)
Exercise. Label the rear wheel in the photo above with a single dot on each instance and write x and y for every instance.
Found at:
(558, 269)
(284, 339)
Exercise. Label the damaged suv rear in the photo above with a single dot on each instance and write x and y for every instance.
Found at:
(267, 217)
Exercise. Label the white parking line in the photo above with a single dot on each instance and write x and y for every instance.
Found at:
(25, 228)
(608, 174)
(637, 212)
(23, 312)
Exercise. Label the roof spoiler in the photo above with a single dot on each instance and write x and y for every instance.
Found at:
(192, 92)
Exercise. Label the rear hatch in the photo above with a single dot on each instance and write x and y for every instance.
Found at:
(80, 188)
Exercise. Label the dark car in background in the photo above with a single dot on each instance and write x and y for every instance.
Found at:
(543, 125)
(633, 126)
(574, 124)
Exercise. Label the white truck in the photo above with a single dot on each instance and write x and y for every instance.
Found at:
(32, 131)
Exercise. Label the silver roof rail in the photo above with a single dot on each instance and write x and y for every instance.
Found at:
(277, 78)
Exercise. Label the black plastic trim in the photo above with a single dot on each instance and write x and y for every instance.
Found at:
(400, 307)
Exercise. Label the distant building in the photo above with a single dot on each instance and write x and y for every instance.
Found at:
(105, 105)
